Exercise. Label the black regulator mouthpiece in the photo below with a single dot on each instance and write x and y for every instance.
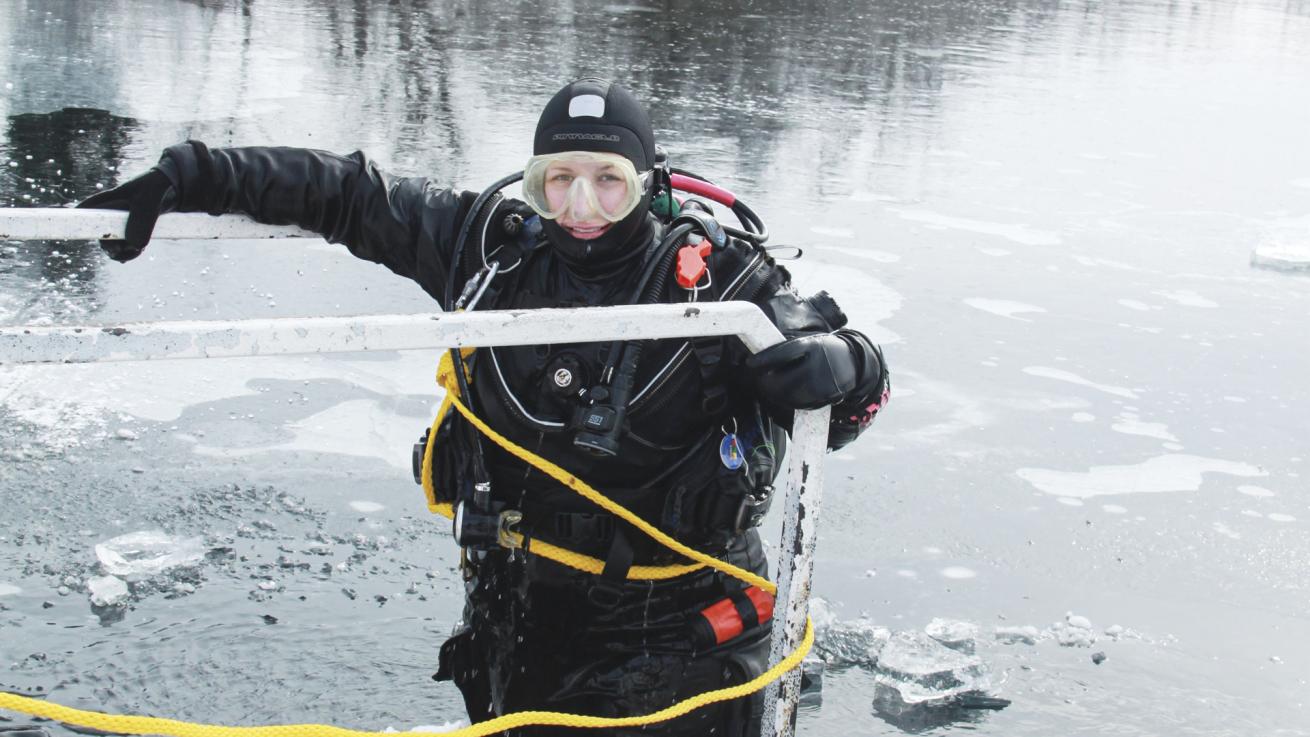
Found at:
(474, 528)
(480, 528)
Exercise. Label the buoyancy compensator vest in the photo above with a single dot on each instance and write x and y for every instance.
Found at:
(656, 425)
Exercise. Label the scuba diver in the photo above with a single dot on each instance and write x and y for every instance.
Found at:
(686, 433)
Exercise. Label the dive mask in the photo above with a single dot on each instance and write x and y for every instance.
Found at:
(585, 183)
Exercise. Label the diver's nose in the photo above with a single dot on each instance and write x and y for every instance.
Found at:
(580, 200)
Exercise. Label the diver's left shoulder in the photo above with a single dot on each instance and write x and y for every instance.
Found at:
(745, 270)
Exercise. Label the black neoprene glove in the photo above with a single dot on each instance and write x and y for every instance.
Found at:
(144, 199)
(809, 372)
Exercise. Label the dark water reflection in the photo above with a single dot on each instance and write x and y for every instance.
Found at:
(445, 86)
(54, 159)
(864, 91)
(1002, 191)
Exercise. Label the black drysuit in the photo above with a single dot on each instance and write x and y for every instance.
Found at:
(535, 634)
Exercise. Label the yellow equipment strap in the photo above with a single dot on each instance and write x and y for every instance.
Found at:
(139, 725)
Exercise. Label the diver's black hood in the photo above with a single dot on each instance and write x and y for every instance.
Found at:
(594, 115)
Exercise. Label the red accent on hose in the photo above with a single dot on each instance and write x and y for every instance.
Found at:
(704, 189)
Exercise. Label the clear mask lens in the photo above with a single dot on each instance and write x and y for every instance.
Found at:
(583, 184)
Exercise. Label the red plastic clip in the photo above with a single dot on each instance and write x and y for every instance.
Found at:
(691, 263)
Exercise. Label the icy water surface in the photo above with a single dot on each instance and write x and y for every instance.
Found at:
(1045, 211)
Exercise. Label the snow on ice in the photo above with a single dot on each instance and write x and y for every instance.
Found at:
(1173, 472)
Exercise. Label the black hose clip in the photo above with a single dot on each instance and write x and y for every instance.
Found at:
(420, 452)
(706, 224)
(753, 508)
(599, 425)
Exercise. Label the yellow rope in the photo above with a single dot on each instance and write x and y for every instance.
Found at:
(604, 502)
(563, 556)
(139, 725)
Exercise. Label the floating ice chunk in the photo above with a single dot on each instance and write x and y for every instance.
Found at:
(1018, 233)
(881, 257)
(147, 553)
(1187, 298)
(866, 196)
(1254, 491)
(1278, 517)
(125, 434)
(821, 613)
(8, 589)
(1062, 375)
(812, 681)
(1164, 473)
(956, 634)
(958, 572)
(1074, 631)
(1114, 509)
(1226, 531)
(855, 642)
(357, 427)
(366, 507)
(833, 231)
(1130, 424)
(1133, 304)
(1083, 417)
(1026, 634)
(1003, 308)
(1285, 246)
(447, 727)
(919, 669)
(107, 590)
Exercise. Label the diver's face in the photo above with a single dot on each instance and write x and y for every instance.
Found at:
(579, 218)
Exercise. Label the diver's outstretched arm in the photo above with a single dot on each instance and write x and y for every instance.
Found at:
(406, 224)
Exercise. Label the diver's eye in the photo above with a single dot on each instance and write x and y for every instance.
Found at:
(562, 178)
